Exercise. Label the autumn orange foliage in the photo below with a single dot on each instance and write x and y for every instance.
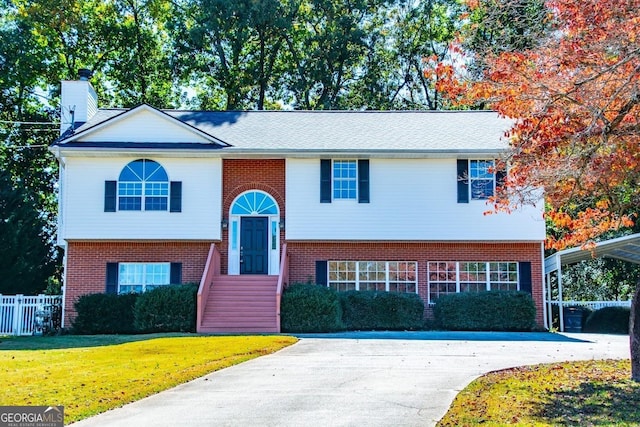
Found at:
(575, 102)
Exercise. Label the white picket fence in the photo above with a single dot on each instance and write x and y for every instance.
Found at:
(593, 305)
(18, 312)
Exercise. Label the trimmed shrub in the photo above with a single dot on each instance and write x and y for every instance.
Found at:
(310, 308)
(486, 311)
(371, 310)
(104, 314)
(167, 309)
(608, 320)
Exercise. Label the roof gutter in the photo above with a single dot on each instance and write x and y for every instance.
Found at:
(266, 153)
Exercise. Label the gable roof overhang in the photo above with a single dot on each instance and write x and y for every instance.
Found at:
(85, 130)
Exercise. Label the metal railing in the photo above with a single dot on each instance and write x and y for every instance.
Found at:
(18, 312)
(211, 269)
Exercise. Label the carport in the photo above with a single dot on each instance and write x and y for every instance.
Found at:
(626, 248)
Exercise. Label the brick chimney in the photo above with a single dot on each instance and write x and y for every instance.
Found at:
(78, 101)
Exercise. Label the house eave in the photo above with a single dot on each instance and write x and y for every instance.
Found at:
(356, 153)
(202, 150)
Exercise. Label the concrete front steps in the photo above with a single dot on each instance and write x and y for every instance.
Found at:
(241, 304)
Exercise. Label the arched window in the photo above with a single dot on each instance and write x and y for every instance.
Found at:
(143, 185)
(254, 203)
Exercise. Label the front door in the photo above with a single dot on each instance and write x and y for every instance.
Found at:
(254, 245)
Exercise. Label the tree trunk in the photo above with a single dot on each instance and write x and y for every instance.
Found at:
(634, 334)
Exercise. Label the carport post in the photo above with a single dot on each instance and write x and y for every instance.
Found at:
(560, 303)
(546, 295)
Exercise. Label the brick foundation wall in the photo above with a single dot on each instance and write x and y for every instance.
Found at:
(86, 261)
(240, 175)
(303, 256)
(86, 264)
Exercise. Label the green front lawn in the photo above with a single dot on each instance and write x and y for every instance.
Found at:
(593, 393)
(91, 374)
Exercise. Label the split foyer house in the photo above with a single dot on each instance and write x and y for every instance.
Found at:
(246, 202)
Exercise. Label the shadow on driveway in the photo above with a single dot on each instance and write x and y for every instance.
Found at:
(448, 336)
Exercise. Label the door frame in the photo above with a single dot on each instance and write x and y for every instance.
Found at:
(243, 208)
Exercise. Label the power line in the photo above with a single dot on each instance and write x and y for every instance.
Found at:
(32, 92)
(26, 130)
(22, 147)
(12, 122)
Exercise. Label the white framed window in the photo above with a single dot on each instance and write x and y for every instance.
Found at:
(141, 277)
(449, 277)
(143, 185)
(482, 179)
(503, 276)
(389, 276)
(345, 179)
(473, 276)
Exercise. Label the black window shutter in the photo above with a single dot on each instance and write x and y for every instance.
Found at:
(110, 196)
(363, 181)
(321, 273)
(175, 201)
(325, 181)
(112, 278)
(524, 273)
(463, 181)
(175, 273)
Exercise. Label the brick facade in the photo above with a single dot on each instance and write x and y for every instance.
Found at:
(87, 261)
(240, 175)
(303, 256)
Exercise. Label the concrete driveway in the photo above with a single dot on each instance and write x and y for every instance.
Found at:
(355, 379)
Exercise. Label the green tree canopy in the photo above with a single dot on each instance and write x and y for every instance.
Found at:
(26, 262)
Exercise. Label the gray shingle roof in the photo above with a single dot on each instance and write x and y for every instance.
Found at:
(349, 131)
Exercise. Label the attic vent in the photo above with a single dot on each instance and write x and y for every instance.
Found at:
(85, 74)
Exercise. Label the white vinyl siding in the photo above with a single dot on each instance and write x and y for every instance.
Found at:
(84, 216)
(411, 200)
(146, 126)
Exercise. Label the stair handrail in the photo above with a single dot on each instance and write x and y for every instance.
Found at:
(211, 269)
(283, 280)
